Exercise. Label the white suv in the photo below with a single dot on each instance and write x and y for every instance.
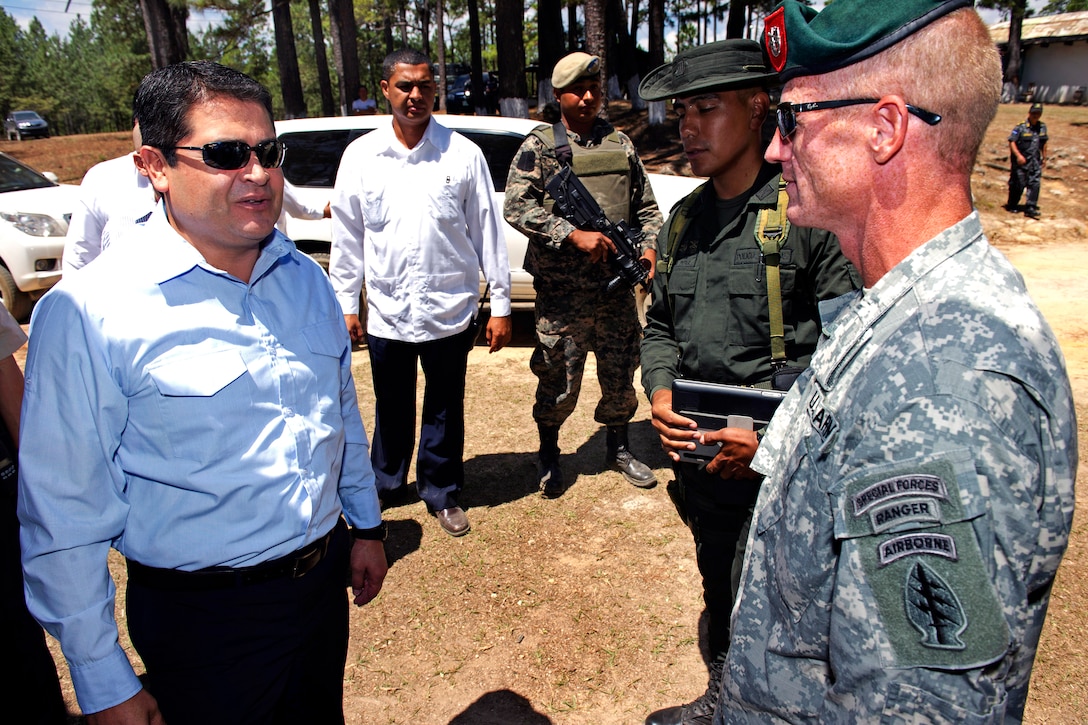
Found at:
(34, 215)
(315, 145)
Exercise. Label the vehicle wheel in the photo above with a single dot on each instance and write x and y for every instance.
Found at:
(18, 302)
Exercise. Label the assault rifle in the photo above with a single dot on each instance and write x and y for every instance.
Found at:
(574, 203)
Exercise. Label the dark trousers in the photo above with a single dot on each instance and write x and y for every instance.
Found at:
(31, 689)
(1029, 177)
(272, 652)
(717, 512)
(440, 470)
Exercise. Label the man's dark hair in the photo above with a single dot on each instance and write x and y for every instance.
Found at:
(166, 96)
(408, 56)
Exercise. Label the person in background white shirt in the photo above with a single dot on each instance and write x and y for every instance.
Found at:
(364, 105)
(419, 198)
(114, 194)
(294, 206)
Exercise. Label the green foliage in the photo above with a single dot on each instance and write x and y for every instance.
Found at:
(83, 83)
(1064, 6)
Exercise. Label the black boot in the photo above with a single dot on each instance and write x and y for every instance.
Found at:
(549, 475)
(619, 457)
(700, 711)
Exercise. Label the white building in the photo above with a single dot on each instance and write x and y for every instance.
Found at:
(1054, 60)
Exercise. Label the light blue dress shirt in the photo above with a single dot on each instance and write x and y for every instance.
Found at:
(188, 420)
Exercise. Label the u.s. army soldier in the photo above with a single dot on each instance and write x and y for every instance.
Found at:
(919, 477)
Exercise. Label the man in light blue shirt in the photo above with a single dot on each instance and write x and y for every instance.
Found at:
(189, 402)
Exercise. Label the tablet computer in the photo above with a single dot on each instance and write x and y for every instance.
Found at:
(717, 405)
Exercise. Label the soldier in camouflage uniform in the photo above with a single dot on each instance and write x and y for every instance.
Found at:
(919, 477)
(711, 311)
(574, 312)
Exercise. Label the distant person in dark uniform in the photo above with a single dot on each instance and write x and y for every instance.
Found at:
(1027, 150)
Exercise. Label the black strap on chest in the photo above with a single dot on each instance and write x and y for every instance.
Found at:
(563, 150)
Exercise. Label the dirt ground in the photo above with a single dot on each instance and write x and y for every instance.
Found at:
(586, 609)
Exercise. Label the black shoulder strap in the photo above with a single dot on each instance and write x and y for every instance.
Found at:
(562, 144)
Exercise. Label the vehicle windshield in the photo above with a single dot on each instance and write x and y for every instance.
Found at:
(26, 116)
(16, 177)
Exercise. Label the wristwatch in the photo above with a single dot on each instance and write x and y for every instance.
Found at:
(378, 533)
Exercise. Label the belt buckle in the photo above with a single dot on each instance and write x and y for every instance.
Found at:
(303, 564)
(308, 561)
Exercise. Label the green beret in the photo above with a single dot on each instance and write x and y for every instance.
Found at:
(720, 66)
(802, 42)
(573, 67)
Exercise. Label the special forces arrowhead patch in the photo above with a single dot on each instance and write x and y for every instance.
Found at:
(934, 609)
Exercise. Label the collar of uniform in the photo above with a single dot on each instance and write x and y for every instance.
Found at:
(597, 133)
(765, 188)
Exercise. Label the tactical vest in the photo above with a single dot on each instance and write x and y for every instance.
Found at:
(604, 169)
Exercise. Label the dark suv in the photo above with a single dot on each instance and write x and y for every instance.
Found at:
(25, 124)
(459, 98)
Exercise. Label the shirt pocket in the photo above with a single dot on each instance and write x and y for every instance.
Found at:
(375, 212)
(445, 201)
(328, 345)
(200, 397)
(683, 283)
(749, 304)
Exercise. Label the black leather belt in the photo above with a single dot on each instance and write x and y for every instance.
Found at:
(292, 566)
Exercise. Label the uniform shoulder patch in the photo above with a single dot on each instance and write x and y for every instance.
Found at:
(527, 160)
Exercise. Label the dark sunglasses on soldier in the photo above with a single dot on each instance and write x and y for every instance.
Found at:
(231, 155)
(787, 112)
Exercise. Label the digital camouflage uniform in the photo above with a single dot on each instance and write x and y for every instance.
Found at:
(917, 501)
(710, 321)
(1030, 140)
(574, 313)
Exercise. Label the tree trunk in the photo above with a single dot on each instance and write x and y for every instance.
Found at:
(345, 50)
(477, 60)
(167, 35)
(549, 18)
(597, 40)
(510, 46)
(626, 65)
(328, 108)
(439, 12)
(735, 21)
(656, 39)
(423, 12)
(1013, 68)
(294, 106)
(572, 27)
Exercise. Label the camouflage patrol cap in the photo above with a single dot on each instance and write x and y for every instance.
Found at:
(573, 67)
(720, 66)
(802, 42)
(1036, 108)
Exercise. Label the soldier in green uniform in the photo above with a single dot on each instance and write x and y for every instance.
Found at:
(712, 306)
(574, 311)
(919, 476)
(1027, 153)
